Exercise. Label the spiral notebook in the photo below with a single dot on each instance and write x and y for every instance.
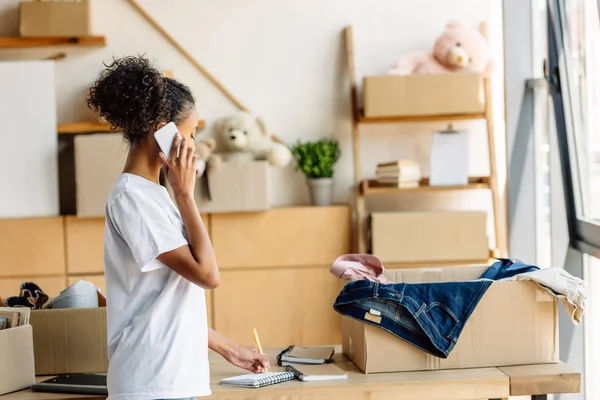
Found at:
(258, 380)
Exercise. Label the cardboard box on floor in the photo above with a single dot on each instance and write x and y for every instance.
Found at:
(69, 341)
(430, 236)
(418, 95)
(16, 360)
(236, 188)
(54, 18)
(514, 323)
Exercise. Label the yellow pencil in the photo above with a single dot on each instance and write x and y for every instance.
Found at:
(258, 346)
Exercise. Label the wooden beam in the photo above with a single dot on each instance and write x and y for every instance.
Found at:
(187, 55)
(20, 42)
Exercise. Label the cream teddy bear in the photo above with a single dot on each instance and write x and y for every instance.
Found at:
(243, 137)
(207, 160)
(460, 48)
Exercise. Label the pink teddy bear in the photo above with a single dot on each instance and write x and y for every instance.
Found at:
(460, 48)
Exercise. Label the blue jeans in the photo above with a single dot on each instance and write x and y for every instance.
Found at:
(430, 316)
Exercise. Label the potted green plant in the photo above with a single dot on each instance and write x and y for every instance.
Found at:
(316, 160)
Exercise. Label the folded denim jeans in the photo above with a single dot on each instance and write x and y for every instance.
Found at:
(430, 316)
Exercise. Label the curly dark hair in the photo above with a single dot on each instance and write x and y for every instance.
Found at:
(134, 96)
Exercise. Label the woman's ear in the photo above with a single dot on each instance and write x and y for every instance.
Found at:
(160, 125)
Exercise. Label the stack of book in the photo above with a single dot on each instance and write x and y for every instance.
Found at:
(401, 173)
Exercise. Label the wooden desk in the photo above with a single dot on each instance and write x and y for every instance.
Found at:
(465, 384)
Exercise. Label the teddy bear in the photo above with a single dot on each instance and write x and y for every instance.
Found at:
(207, 160)
(460, 48)
(243, 137)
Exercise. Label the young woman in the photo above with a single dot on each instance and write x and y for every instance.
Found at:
(157, 254)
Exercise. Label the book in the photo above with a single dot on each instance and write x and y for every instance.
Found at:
(258, 380)
(3, 323)
(305, 355)
(399, 184)
(397, 164)
(12, 319)
(312, 373)
(20, 315)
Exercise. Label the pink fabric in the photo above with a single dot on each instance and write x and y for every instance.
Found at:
(355, 267)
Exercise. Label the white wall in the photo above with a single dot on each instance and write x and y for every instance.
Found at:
(284, 60)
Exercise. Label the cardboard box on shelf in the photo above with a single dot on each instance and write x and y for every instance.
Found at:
(16, 363)
(419, 95)
(236, 188)
(430, 236)
(514, 323)
(55, 18)
(69, 341)
(99, 161)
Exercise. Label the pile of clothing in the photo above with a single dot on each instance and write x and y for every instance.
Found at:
(81, 294)
(404, 309)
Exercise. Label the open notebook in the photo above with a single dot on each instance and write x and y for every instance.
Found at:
(258, 380)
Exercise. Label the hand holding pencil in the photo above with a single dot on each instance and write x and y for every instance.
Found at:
(258, 345)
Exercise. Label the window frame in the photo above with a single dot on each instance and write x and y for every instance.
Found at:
(584, 233)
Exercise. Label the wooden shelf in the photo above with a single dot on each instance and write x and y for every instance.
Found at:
(421, 118)
(20, 42)
(373, 187)
(94, 127)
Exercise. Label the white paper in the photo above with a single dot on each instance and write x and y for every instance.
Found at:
(449, 159)
(29, 161)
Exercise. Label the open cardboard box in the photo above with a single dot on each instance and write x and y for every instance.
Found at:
(236, 188)
(16, 361)
(515, 323)
(420, 95)
(70, 340)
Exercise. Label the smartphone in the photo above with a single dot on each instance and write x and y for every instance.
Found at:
(164, 137)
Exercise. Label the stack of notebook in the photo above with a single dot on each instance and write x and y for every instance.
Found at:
(401, 173)
(13, 317)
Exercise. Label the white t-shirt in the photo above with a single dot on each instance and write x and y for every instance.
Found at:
(157, 327)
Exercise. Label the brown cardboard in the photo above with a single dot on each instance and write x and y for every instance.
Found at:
(99, 161)
(430, 236)
(418, 95)
(16, 362)
(514, 323)
(237, 187)
(55, 18)
(84, 245)
(69, 341)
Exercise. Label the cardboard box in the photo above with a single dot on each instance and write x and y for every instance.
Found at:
(514, 323)
(55, 18)
(430, 236)
(16, 362)
(235, 188)
(418, 95)
(69, 341)
(99, 161)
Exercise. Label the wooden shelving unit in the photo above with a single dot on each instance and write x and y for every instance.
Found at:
(371, 187)
(26, 42)
(94, 127)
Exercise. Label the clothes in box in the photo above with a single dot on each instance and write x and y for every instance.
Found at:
(243, 187)
(16, 362)
(68, 341)
(430, 236)
(428, 94)
(55, 18)
(514, 323)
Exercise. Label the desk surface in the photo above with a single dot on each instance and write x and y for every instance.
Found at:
(476, 383)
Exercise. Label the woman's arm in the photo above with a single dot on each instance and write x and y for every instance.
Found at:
(241, 356)
(196, 262)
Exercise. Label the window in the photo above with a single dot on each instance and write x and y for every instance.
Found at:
(574, 73)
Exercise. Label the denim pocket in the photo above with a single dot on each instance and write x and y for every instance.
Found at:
(442, 317)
